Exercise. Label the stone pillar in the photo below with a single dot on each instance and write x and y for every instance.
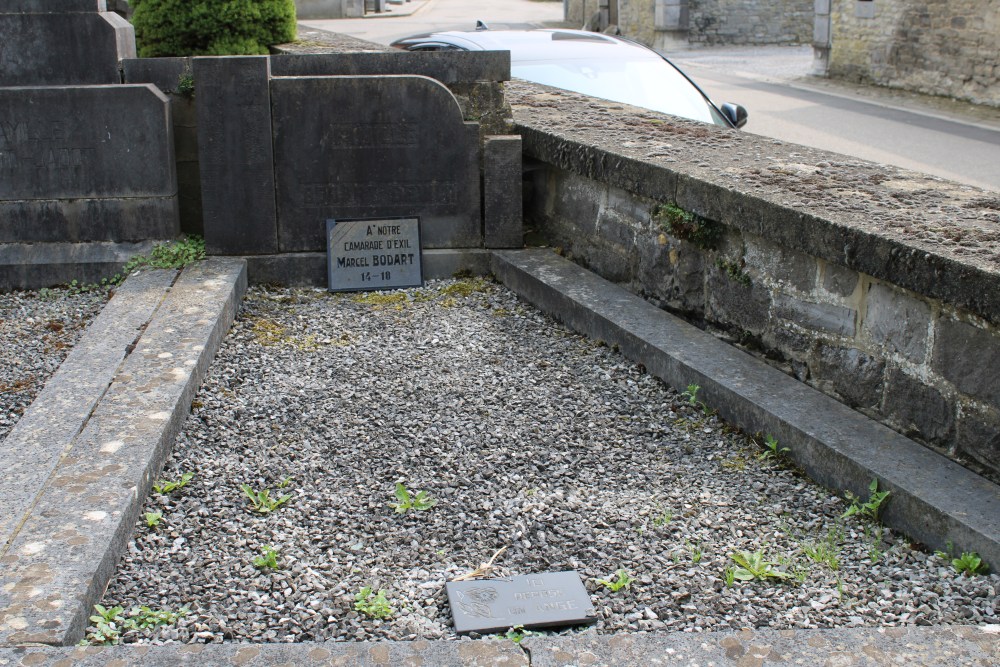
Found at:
(503, 224)
(235, 154)
(822, 38)
(670, 21)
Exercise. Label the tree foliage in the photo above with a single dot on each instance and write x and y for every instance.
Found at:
(211, 27)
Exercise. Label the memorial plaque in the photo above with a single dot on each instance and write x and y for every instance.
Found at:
(543, 600)
(373, 254)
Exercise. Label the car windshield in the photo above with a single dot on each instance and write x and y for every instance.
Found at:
(653, 84)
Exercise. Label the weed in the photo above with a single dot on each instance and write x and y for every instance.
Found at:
(185, 85)
(688, 226)
(621, 580)
(752, 566)
(517, 634)
(729, 577)
(772, 450)
(736, 463)
(734, 270)
(173, 255)
(109, 624)
(418, 501)
(869, 509)
(875, 552)
(164, 487)
(262, 500)
(691, 394)
(824, 552)
(696, 551)
(285, 482)
(153, 519)
(268, 560)
(969, 564)
(372, 606)
(663, 517)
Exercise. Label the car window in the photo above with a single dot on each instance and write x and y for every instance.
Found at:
(653, 84)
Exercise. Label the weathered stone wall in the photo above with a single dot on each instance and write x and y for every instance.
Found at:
(835, 270)
(750, 21)
(931, 46)
(708, 21)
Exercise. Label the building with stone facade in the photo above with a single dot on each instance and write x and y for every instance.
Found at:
(939, 47)
(668, 24)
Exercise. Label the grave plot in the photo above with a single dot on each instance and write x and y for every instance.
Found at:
(348, 455)
(37, 331)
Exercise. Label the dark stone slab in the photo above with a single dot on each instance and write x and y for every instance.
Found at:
(448, 67)
(309, 268)
(164, 73)
(979, 437)
(969, 357)
(52, 6)
(235, 155)
(391, 146)
(934, 500)
(86, 163)
(916, 408)
(898, 321)
(502, 205)
(57, 49)
(36, 265)
(855, 376)
(545, 600)
(373, 254)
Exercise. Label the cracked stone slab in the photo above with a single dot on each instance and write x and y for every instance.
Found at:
(478, 653)
(933, 499)
(62, 558)
(958, 646)
(34, 446)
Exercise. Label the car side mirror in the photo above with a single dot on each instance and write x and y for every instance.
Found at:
(736, 113)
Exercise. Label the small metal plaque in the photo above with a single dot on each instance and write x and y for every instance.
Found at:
(533, 600)
(373, 254)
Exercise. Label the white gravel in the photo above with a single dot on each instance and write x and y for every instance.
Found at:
(529, 437)
(37, 331)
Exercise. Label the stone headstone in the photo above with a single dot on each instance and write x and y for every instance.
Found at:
(62, 42)
(90, 163)
(235, 155)
(372, 147)
(373, 254)
(545, 600)
(502, 206)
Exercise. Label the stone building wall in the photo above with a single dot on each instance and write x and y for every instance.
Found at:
(707, 21)
(939, 47)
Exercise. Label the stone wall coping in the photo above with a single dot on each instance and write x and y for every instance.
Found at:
(935, 237)
(52, 6)
(448, 67)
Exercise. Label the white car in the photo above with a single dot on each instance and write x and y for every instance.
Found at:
(595, 64)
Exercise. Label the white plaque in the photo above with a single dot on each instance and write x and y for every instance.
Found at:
(367, 255)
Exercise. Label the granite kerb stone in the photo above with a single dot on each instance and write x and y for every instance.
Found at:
(956, 646)
(60, 561)
(448, 67)
(934, 500)
(468, 653)
(32, 450)
(871, 218)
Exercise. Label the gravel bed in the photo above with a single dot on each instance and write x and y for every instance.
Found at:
(37, 331)
(528, 437)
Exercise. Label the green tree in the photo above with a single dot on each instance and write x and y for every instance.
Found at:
(211, 27)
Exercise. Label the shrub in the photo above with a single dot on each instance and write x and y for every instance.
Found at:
(211, 27)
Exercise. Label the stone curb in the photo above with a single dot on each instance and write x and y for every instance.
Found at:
(468, 653)
(960, 646)
(34, 447)
(61, 560)
(933, 499)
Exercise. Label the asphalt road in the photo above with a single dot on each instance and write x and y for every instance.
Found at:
(952, 140)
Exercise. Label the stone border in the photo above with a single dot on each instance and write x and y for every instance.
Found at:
(66, 548)
(934, 500)
(138, 417)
